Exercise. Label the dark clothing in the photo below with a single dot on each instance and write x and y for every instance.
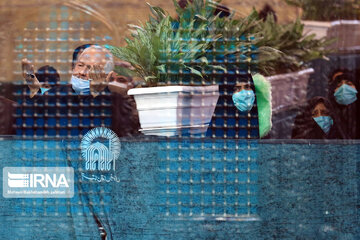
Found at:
(305, 126)
(7, 112)
(349, 115)
(227, 120)
(125, 119)
(62, 112)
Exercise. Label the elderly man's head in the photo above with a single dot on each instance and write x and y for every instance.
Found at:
(90, 57)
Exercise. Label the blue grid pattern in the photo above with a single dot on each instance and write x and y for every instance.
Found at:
(60, 113)
(208, 179)
(295, 196)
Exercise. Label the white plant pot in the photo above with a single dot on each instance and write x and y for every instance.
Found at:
(346, 33)
(171, 110)
(317, 27)
(289, 89)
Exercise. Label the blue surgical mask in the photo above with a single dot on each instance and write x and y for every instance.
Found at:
(44, 90)
(80, 85)
(345, 95)
(244, 100)
(324, 122)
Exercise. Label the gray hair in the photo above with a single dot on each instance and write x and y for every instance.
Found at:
(109, 59)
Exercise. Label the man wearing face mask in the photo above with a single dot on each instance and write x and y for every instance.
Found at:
(90, 67)
(343, 95)
(92, 71)
(72, 109)
(91, 78)
(87, 102)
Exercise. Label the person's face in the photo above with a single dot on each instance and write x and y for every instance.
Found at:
(87, 59)
(320, 110)
(119, 83)
(342, 82)
(119, 78)
(242, 86)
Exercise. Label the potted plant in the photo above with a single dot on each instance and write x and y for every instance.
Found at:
(334, 19)
(287, 70)
(175, 56)
(169, 55)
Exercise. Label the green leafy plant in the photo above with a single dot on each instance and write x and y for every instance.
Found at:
(293, 49)
(229, 27)
(194, 42)
(269, 47)
(234, 44)
(328, 10)
(266, 46)
(158, 50)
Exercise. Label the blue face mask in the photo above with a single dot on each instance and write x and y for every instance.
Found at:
(80, 85)
(44, 90)
(244, 100)
(345, 95)
(324, 122)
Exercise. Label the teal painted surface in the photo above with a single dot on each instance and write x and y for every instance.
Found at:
(297, 190)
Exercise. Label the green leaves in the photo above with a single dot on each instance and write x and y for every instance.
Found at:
(163, 47)
(285, 48)
(123, 71)
(194, 71)
(158, 48)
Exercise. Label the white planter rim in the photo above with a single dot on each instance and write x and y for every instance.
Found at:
(330, 23)
(316, 23)
(175, 89)
(302, 72)
(175, 127)
(345, 22)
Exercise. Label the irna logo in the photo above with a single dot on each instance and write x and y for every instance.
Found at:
(38, 182)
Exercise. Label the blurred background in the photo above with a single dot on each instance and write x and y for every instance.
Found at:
(47, 32)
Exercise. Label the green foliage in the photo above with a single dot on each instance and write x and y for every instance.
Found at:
(328, 10)
(158, 48)
(198, 9)
(163, 47)
(123, 71)
(292, 48)
(231, 32)
(229, 28)
(280, 48)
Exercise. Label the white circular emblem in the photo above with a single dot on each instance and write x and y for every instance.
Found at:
(100, 147)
